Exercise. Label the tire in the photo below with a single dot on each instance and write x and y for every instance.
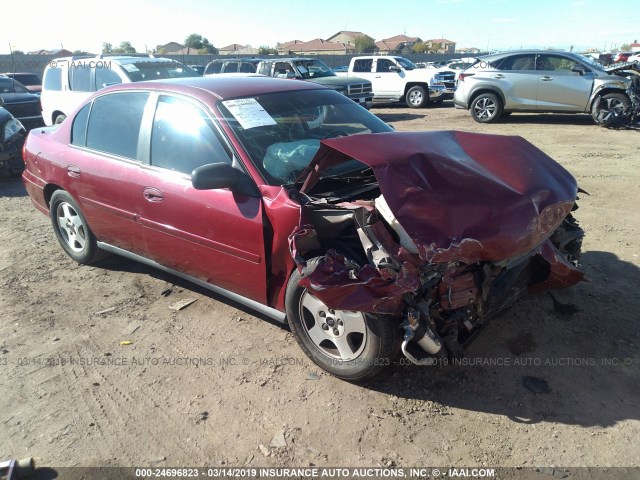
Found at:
(610, 101)
(59, 119)
(416, 97)
(486, 108)
(505, 114)
(362, 345)
(71, 229)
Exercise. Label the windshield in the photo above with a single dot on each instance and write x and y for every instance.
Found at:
(406, 64)
(145, 70)
(281, 132)
(313, 69)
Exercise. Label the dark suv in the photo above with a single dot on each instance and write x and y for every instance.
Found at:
(232, 65)
(20, 102)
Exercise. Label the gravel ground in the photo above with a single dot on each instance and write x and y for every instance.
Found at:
(214, 384)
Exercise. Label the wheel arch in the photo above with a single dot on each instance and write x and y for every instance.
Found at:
(410, 85)
(49, 190)
(482, 90)
(604, 91)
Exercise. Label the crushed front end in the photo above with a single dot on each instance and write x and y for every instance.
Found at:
(441, 230)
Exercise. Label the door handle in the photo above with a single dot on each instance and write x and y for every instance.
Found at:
(73, 171)
(546, 79)
(152, 194)
(378, 76)
(498, 75)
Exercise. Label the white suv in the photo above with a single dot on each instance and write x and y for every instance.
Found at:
(70, 81)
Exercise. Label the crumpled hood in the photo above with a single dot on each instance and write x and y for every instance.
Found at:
(460, 196)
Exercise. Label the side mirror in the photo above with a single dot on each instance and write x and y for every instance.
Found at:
(222, 175)
(394, 68)
(579, 69)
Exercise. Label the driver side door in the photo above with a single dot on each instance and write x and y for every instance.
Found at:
(212, 235)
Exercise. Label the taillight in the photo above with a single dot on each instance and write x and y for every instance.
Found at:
(463, 75)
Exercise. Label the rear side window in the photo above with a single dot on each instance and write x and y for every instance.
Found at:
(362, 65)
(516, 62)
(79, 129)
(80, 78)
(114, 123)
(213, 67)
(53, 79)
(183, 137)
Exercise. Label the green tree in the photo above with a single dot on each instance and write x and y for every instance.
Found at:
(125, 47)
(18, 52)
(267, 50)
(420, 47)
(625, 47)
(364, 43)
(197, 42)
(107, 47)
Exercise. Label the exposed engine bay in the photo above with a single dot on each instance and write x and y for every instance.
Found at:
(440, 231)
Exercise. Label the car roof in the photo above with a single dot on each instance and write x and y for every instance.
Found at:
(526, 52)
(218, 86)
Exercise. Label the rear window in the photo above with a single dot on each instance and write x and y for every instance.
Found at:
(53, 79)
(27, 79)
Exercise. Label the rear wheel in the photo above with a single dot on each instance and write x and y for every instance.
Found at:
(72, 230)
(609, 104)
(351, 345)
(416, 97)
(486, 108)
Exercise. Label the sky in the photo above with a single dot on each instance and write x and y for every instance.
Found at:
(484, 24)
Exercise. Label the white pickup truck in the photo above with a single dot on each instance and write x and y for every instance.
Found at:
(396, 78)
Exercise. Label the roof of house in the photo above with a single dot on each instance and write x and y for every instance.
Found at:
(232, 48)
(318, 44)
(393, 43)
(347, 33)
(440, 40)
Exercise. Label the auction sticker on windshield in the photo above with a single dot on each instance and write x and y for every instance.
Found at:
(249, 113)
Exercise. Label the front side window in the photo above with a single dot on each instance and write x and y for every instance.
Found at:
(384, 65)
(557, 63)
(313, 69)
(281, 132)
(114, 123)
(183, 137)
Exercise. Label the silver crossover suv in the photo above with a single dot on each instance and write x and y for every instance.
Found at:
(538, 81)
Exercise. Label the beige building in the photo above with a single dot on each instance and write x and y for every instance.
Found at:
(441, 45)
(396, 45)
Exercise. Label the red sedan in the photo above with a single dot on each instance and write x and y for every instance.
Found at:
(294, 200)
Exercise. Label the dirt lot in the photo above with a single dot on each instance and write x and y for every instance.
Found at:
(214, 384)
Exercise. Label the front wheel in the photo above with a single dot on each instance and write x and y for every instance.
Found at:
(351, 345)
(416, 97)
(609, 104)
(71, 229)
(486, 108)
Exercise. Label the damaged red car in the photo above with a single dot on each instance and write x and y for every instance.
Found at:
(295, 201)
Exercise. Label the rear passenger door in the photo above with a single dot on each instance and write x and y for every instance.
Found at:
(212, 235)
(517, 78)
(103, 170)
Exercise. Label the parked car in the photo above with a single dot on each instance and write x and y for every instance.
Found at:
(22, 104)
(398, 79)
(199, 69)
(12, 135)
(538, 81)
(292, 200)
(70, 81)
(310, 69)
(232, 65)
(622, 57)
(31, 81)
